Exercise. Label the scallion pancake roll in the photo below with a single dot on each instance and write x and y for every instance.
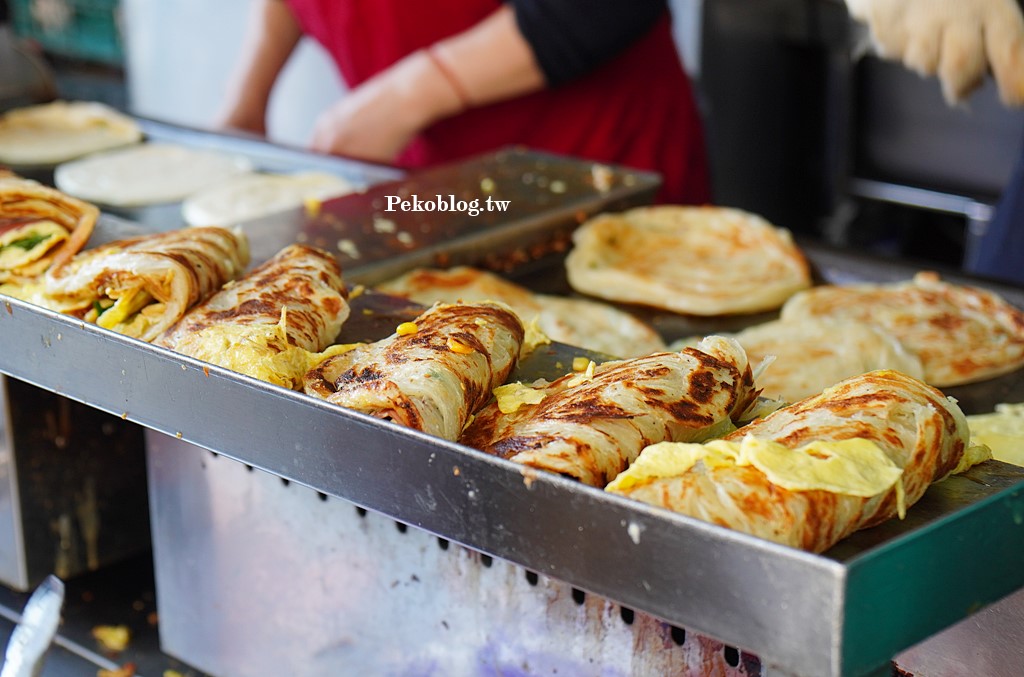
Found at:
(271, 324)
(812, 473)
(591, 425)
(141, 286)
(432, 374)
(40, 228)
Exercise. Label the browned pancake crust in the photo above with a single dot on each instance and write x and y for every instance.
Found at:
(24, 200)
(592, 430)
(914, 424)
(961, 334)
(432, 379)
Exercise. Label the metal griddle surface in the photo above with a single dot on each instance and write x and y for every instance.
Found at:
(845, 612)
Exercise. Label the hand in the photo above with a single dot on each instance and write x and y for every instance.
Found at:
(376, 120)
(246, 119)
(957, 39)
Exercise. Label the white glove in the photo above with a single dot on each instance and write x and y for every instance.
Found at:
(957, 39)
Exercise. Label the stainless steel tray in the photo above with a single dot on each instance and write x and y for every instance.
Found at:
(546, 197)
(846, 612)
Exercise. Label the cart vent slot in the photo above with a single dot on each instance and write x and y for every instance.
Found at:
(486, 560)
(361, 511)
(578, 596)
(678, 635)
(249, 467)
(442, 543)
(401, 527)
(532, 577)
(732, 656)
(285, 481)
(321, 495)
(627, 615)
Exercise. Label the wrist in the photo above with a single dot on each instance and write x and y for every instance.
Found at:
(424, 92)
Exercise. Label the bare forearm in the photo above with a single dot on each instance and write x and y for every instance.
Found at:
(491, 61)
(271, 37)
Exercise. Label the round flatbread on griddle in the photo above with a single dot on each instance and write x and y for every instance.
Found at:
(145, 174)
(576, 322)
(961, 334)
(812, 354)
(691, 260)
(250, 196)
(62, 130)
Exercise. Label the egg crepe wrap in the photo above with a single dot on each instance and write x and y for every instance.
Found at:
(922, 434)
(40, 228)
(432, 374)
(590, 426)
(271, 324)
(141, 286)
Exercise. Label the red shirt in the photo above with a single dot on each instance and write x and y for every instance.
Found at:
(636, 109)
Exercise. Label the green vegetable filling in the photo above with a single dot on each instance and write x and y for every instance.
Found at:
(28, 242)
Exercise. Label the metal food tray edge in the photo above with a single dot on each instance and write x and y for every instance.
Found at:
(805, 614)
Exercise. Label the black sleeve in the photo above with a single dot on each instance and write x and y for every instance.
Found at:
(570, 37)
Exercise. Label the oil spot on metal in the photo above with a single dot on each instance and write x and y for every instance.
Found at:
(634, 530)
(529, 476)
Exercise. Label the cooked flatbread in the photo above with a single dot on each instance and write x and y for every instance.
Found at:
(591, 426)
(577, 322)
(271, 324)
(432, 374)
(141, 286)
(145, 174)
(691, 260)
(809, 355)
(250, 196)
(961, 334)
(61, 131)
(40, 228)
(922, 432)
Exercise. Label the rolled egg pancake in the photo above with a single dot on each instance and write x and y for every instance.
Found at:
(271, 324)
(432, 374)
(141, 286)
(40, 228)
(812, 473)
(590, 426)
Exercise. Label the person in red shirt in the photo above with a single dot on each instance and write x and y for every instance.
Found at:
(432, 82)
